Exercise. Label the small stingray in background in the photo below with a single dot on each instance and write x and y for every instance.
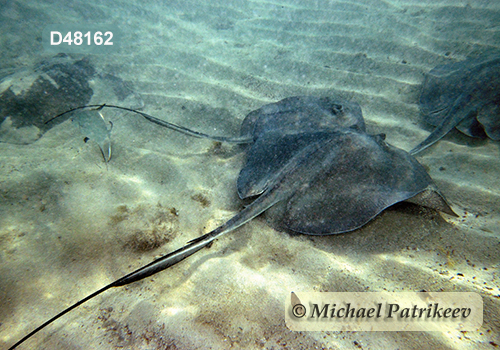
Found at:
(463, 95)
(313, 169)
(31, 96)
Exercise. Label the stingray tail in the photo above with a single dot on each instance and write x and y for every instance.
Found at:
(163, 123)
(446, 126)
(452, 119)
(145, 271)
(260, 205)
(257, 207)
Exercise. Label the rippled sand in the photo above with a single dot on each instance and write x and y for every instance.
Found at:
(69, 225)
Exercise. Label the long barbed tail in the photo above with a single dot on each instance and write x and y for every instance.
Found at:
(181, 129)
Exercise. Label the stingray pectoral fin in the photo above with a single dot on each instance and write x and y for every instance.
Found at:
(360, 176)
(489, 117)
(432, 198)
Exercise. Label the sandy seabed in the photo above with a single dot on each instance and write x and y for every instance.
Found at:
(69, 224)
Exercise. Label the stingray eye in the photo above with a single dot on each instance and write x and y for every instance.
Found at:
(337, 109)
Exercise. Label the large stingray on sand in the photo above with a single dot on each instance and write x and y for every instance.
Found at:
(463, 95)
(313, 169)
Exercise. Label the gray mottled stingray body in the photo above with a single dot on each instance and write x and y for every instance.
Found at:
(345, 178)
(31, 96)
(314, 169)
(463, 95)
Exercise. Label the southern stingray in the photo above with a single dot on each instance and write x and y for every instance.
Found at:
(31, 96)
(463, 95)
(313, 169)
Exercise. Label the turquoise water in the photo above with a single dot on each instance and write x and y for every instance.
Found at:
(70, 224)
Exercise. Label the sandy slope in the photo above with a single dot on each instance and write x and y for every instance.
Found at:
(69, 225)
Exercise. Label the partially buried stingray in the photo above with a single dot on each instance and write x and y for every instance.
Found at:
(463, 95)
(314, 169)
